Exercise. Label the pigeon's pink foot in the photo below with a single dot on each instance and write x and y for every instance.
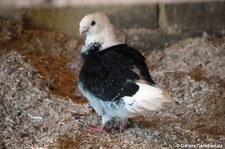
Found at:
(94, 129)
(122, 127)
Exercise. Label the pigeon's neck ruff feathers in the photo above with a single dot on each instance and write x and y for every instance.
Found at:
(106, 38)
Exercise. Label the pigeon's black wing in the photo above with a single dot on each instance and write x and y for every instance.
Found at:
(109, 74)
(137, 60)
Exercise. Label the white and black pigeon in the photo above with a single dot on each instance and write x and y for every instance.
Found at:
(114, 77)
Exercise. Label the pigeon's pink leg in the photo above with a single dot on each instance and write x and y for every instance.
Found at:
(122, 127)
(94, 129)
(122, 124)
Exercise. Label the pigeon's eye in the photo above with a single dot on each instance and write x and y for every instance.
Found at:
(93, 23)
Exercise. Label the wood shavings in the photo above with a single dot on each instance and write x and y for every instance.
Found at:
(25, 101)
(35, 118)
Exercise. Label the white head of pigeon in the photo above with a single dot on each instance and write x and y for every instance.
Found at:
(114, 77)
(97, 29)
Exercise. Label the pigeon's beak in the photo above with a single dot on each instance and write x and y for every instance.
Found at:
(83, 31)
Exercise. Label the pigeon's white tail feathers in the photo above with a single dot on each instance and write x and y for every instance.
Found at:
(146, 99)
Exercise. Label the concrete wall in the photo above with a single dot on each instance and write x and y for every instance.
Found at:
(67, 19)
(146, 27)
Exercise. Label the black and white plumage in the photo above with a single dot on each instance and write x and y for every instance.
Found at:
(114, 77)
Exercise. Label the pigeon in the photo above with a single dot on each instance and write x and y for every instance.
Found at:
(114, 77)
